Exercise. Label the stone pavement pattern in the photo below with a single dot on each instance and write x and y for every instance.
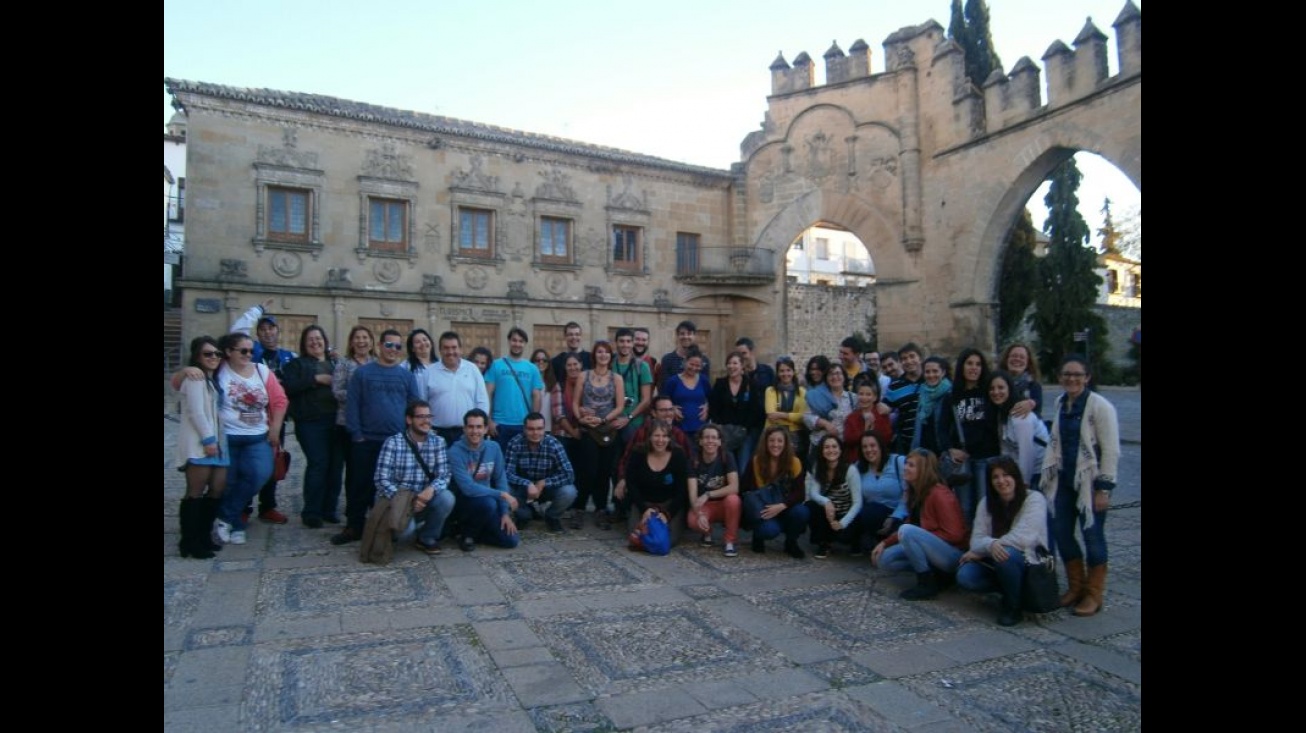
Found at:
(575, 633)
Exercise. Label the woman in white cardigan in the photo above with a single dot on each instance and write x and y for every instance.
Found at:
(1079, 474)
(201, 450)
(1023, 437)
(1010, 523)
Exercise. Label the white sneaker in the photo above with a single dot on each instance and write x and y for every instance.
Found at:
(221, 533)
(238, 537)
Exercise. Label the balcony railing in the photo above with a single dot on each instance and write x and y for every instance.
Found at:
(725, 265)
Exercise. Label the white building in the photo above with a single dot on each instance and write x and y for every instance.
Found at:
(174, 197)
(824, 256)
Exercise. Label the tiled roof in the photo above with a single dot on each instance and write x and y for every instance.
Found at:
(435, 124)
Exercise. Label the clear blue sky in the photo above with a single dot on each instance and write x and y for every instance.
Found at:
(679, 79)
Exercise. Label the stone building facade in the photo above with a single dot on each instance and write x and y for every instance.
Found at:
(351, 213)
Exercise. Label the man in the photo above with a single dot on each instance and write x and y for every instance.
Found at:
(379, 393)
(454, 385)
(637, 379)
(484, 505)
(641, 350)
(538, 471)
(760, 376)
(571, 337)
(515, 387)
(903, 397)
(417, 460)
(889, 365)
(872, 361)
(268, 352)
(850, 358)
(674, 361)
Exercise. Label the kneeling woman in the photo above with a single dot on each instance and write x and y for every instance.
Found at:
(1010, 523)
(934, 534)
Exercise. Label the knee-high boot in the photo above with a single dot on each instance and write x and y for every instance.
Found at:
(1075, 579)
(194, 540)
(1094, 592)
(208, 512)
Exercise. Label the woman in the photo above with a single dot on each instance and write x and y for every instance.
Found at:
(879, 476)
(932, 537)
(1023, 437)
(420, 350)
(362, 350)
(1018, 361)
(815, 370)
(657, 479)
(832, 499)
(1010, 524)
(968, 427)
(1079, 474)
(201, 450)
(253, 409)
(935, 385)
(736, 408)
(313, 408)
(565, 426)
(482, 356)
(828, 408)
(689, 391)
(785, 403)
(714, 489)
(596, 404)
(871, 415)
(540, 358)
(777, 462)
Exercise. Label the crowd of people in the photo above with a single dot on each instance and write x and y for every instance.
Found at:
(945, 469)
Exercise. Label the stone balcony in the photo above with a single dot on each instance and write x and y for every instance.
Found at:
(725, 266)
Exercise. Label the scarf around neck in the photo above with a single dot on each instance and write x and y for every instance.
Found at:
(929, 395)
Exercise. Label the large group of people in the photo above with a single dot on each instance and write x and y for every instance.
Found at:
(947, 470)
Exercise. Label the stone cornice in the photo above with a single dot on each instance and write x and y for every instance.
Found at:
(435, 124)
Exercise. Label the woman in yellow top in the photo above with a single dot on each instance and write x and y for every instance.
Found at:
(785, 402)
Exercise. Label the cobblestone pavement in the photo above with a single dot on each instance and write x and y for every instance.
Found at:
(575, 633)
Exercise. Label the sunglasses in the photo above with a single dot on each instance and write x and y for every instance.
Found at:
(393, 346)
(210, 354)
(244, 352)
(422, 417)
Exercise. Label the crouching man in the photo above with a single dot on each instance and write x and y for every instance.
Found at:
(485, 506)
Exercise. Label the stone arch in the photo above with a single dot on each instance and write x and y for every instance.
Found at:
(847, 211)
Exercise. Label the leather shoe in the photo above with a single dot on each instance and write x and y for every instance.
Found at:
(467, 544)
(346, 536)
(312, 522)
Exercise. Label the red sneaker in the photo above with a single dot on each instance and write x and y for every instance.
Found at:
(272, 516)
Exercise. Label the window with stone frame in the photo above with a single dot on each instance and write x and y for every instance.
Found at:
(289, 213)
(387, 224)
(555, 240)
(475, 232)
(627, 252)
(687, 253)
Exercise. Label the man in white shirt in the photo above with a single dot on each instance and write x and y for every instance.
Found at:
(453, 386)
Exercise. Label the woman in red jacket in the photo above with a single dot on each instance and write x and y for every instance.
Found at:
(934, 535)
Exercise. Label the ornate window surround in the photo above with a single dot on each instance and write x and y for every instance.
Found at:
(555, 209)
(370, 186)
(475, 199)
(628, 218)
(313, 181)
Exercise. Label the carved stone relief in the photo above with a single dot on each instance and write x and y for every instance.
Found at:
(819, 156)
(591, 248)
(627, 199)
(432, 238)
(476, 278)
(432, 284)
(387, 271)
(288, 154)
(475, 178)
(555, 283)
(556, 185)
(287, 264)
(386, 162)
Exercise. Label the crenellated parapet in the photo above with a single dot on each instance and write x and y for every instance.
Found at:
(784, 78)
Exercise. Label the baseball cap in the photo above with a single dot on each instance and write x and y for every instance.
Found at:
(266, 319)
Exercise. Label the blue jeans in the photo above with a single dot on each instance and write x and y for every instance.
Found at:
(1063, 529)
(324, 464)
(559, 498)
(968, 495)
(990, 575)
(480, 519)
(744, 453)
(251, 467)
(791, 521)
(506, 434)
(919, 550)
(361, 491)
(431, 519)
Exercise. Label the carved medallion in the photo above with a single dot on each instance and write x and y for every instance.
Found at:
(627, 287)
(476, 278)
(387, 271)
(287, 264)
(555, 283)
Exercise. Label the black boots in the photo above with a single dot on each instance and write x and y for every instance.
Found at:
(791, 547)
(759, 544)
(926, 587)
(194, 540)
(1010, 615)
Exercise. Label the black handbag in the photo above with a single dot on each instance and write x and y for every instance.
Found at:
(756, 501)
(1038, 589)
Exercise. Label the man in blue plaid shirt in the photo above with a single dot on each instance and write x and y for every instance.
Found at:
(538, 471)
(398, 467)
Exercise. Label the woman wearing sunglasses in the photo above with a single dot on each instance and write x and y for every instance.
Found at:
(201, 450)
(253, 408)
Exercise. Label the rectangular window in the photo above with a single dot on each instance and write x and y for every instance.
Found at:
(288, 213)
(555, 240)
(177, 207)
(822, 248)
(387, 225)
(625, 247)
(475, 232)
(686, 253)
